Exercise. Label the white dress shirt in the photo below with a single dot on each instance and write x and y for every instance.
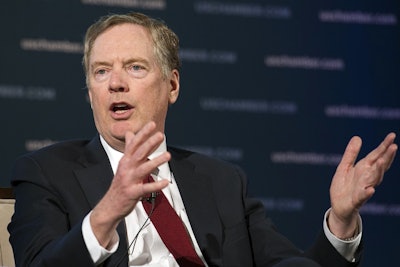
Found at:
(149, 249)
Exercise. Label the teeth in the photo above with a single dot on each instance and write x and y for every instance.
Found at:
(120, 108)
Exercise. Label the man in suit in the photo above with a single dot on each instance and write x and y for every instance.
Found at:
(83, 203)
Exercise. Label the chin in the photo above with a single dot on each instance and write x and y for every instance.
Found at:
(121, 128)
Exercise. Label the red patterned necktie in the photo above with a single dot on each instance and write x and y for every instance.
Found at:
(171, 230)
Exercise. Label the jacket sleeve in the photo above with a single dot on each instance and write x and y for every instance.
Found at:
(269, 246)
(41, 231)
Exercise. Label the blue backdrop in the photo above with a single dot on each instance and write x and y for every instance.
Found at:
(278, 87)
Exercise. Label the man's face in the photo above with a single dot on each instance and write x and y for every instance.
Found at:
(126, 85)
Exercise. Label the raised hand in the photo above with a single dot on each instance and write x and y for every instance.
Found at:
(354, 183)
(127, 187)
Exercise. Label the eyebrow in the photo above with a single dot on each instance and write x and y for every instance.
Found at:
(126, 62)
(132, 60)
(99, 63)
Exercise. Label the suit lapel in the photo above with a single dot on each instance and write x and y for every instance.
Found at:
(198, 197)
(95, 178)
(96, 175)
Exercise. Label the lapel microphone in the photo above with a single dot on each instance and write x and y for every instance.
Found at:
(152, 197)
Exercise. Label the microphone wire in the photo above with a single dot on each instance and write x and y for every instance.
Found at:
(144, 225)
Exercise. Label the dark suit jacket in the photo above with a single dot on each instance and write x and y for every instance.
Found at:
(57, 186)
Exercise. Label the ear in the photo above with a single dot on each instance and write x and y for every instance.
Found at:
(174, 87)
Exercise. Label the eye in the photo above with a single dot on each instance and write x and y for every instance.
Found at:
(137, 71)
(100, 74)
(137, 67)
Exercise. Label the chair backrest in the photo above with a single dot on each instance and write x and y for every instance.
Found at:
(7, 202)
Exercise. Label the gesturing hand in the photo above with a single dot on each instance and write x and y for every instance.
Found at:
(127, 186)
(353, 184)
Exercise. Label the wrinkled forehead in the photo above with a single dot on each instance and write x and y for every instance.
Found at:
(125, 40)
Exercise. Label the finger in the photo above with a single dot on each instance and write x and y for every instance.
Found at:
(154, 186)
(149, 146)
(366, 194)
(386, 160)
(382, 149)
(135, 171)
(147, 167)
(393, 150)
(383, 163)
(380, 171)
(128, 139)
(132, 141)
(351, 152)
(144, 142)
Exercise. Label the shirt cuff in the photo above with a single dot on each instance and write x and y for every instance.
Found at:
(96, 251)
(346, 248)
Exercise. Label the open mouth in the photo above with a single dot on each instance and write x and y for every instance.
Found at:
(120, 108)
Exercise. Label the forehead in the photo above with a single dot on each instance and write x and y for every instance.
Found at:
(124, 40)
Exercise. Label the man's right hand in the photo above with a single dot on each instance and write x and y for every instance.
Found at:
(127, 187)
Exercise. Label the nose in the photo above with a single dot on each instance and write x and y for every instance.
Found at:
(118, 82)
